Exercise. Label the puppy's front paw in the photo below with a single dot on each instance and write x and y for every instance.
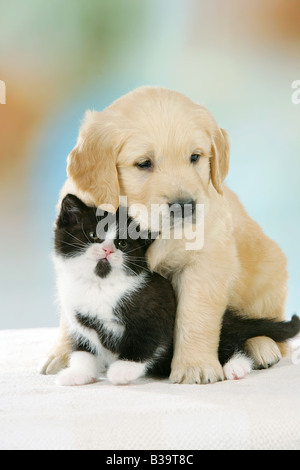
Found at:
(200, 373)
(264, 352)
(70, 377)
(56, 360)
(53, 364)
(124, 372)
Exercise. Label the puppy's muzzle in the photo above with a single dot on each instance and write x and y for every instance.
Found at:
(182, 208)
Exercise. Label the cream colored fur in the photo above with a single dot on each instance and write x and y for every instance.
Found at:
(238, 265)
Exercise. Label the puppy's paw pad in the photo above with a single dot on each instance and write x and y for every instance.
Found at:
(206, 373)
(264, 352)
(124, 372)
(238, 367)
(71, 377)
(53, 364)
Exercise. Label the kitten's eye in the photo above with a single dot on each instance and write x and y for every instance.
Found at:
(93, 235)
(122, 244)
(145, 165)
(195, 158)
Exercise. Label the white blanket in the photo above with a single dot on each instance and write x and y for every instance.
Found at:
(259, 412)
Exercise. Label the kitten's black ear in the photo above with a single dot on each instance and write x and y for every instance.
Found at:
(71, 210)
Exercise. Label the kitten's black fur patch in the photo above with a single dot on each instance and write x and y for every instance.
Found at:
(103, 268)
(81, 343)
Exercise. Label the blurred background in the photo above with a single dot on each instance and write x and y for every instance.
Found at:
(59, 58)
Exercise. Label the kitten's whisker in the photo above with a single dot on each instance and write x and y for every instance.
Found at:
(72, 255)
(139, 258)
(134, 249)
(75, 245)
(71, 235)
(71, 244)
(127, 267)
(85, 233)
(139, 266)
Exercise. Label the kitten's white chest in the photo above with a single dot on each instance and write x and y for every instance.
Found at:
(82, 291)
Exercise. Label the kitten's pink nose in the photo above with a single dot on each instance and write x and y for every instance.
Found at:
(107, 251)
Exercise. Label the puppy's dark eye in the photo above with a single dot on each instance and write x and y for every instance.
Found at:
(195, 158)
(93, 236)
(122, 244)
(145, 165)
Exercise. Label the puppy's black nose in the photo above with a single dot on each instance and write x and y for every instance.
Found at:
(182, 207)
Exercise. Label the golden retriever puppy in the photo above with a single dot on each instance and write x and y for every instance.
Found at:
(156, 146)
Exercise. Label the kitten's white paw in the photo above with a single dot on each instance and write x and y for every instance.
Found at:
(83, 370)
(69, 377)
(238, 367)
(124, 372)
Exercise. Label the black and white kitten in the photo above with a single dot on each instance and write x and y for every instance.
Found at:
(120, 315)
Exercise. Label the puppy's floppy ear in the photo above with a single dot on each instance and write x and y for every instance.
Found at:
(219, 162)
(92, 163)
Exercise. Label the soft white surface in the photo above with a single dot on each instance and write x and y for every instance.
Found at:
(259, 412)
